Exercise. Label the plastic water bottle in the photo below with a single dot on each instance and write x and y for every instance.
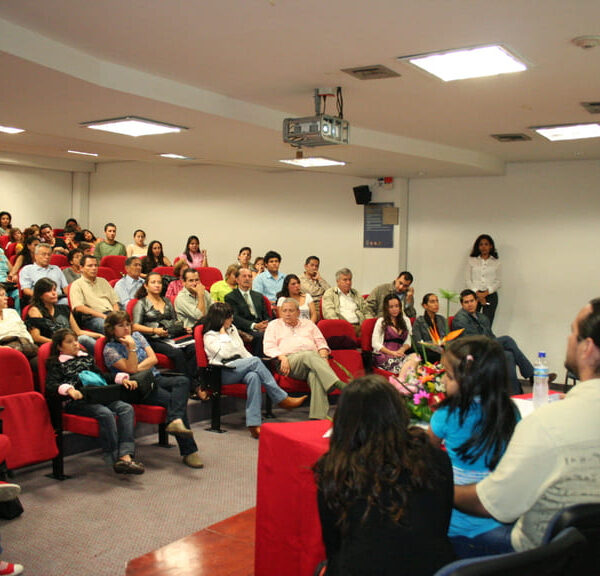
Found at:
(540, 381)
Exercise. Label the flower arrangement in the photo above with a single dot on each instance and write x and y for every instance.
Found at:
(422, 389)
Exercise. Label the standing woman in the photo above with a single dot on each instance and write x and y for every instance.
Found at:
(138, 248)
(192, 254)
(384, 492)
(430, 323)
(154, 257)
(483, 275)
(291, 289)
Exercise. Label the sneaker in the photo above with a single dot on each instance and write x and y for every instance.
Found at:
(193, 460)
(9, 569)
(127, 467)
(8, 492)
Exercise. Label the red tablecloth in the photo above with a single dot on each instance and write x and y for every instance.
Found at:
(288, 531)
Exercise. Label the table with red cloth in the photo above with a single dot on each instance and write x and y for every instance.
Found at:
(288, 530)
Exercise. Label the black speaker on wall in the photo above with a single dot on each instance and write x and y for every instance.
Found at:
(362, 194)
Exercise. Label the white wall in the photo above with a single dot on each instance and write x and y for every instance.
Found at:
(36, 196)
(544, 220)
(295, 213)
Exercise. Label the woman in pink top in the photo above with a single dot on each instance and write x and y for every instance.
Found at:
(195, 257)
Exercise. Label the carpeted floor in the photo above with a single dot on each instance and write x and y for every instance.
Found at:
(93, 523)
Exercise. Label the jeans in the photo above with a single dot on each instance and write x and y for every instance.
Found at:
(184, 358)
(496, 541)
(93, 324)
(116, 421)
(490, 309)
(514, 358)
(172, 393)
(88, 343)
(253, 373)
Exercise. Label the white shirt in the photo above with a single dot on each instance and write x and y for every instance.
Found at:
(348, 308)
(12, 325)
(483, 274)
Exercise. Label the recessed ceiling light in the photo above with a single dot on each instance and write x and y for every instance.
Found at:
(176, 156)
(315, 162)
(568, 132)
(133, 126)
(468, 63)
(82, 153)
(10, 130)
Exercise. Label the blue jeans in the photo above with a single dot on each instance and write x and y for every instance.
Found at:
(496, 541)
(514, 358)
(88, 343)
(93, 324)
(253, 373)
(116, 421)
(172, 393)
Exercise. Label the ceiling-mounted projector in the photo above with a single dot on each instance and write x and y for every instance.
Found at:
(319, 130)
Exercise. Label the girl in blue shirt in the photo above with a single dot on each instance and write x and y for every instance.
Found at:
(475, 422)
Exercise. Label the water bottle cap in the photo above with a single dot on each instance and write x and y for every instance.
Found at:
(541, 354)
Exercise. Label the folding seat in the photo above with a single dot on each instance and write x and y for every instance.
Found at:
(26, 418)
(117, 263)
(164, 270)
(366, 335)
(59, 260)
(209, 275)
(108, 273)
(341, 333)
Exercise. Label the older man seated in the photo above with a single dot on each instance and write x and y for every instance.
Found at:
(344, 302)
(302, 352)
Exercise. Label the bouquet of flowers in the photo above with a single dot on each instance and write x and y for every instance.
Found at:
(422, 389)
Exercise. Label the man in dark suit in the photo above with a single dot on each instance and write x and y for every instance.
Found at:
(250, 314)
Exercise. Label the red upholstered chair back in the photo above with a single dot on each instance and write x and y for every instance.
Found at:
(201, 358)
(450, 320)
(4, 240)
(209, 275)
(164, 270)
(15, 372)
(25, 311)
(58, 232)
(130, 306)
(117, 263)
(59, 260)
(366, 334)
(10, 249)
(351, 360)
(113, 282)
(331, 328)
(43, 355)
(99, 353)
(269, 307)
(108, 273)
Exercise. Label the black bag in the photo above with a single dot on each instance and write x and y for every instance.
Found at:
(145, 381)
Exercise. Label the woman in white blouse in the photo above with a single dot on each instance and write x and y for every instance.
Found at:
(224, 347)
(483, 275)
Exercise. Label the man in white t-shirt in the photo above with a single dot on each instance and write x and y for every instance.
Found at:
(553, 458)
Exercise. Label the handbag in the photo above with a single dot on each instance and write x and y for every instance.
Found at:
(145, 386)
(21, 344)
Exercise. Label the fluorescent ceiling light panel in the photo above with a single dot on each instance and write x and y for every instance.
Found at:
(134, 126)
(176, 156)
(82, 153)
(10, 130)
(316, 162)
(569, 132)
(468, 63)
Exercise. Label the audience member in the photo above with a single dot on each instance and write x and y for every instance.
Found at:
(154, 317)
(401, 287)
(138, 247)
(311, 281)
(5, 222)
(192, 254)
(245, 257)
(302, 353)
(224, 347)
(74, 271)
(250, 313)
(482, 275)
(269, 282)
(344, 302)
(42, 268)
(258, 267)
(291, 289)
(109, 246)
(26, 256)
(70, 241)
(92, 296)
(391, 337)
(56, 244)
(17, 238)
(72, 223)
(88, 236)
(34, 230)
(221, 288)
(551, 460)
(177, 285)
(69, 370)
(193, 301)
(131, 353)
(8, 281)
(155, 257)
(430, 325)
(127, 287)
(475, 422)
(476, 324)
(384, 493)
(46, 316)
(11, 325)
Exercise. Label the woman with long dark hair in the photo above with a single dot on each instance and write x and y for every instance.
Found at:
(5, 222)
(154, 257)
(45, 317)
(224, 347)
(192, 254)
(384, 492)
(429, 324)
(291, 289)
(26, 256)
(483, 275)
